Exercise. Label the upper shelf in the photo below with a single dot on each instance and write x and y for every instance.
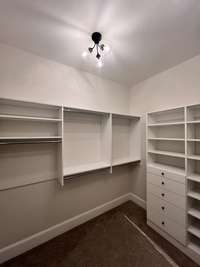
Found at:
(166, 124)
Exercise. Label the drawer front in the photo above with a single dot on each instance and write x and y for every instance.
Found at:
(175, 199)
(175, 230)
(168, 210)
(166, 183)
(167, 174)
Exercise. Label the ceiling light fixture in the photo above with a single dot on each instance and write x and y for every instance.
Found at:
(96, 38)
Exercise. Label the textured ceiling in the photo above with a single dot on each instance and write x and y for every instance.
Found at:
(145, 36)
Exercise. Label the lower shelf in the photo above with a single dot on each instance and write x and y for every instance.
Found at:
(124, 161)
(194, 194)
(194, 231)
(194, 212)
(85, 168)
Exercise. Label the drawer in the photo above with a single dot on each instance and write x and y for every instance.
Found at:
(166, 183)
(175, 199)
(168, 174)
(168, 210)
(177, 231)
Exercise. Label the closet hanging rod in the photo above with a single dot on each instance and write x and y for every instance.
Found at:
(28, 142)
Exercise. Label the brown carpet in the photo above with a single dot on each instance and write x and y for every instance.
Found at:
(107, 241)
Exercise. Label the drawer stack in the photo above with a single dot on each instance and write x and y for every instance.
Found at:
(166, 206)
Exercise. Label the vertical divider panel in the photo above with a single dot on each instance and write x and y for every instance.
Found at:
(61, 147)
(111, 142)
(186, 171)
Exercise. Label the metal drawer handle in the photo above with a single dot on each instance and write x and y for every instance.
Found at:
(162, 194)
(163, 207)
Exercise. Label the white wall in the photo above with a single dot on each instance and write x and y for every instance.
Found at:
(30, 209)
(177, 86)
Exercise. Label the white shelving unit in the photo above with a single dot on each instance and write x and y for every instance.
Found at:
(29, 143)
(173, 151)
(193, 176)
(125, 139)
(44, 142)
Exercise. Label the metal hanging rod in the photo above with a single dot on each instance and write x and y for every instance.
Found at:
(28, 142)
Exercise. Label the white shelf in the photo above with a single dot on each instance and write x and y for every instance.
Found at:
(193, 140)
(27, 118)
(194, 230)
(196, 157)
(166, 139)
(194, 247)
(193, 122)
(166, 124)
(194, 177)
(194, 212)
(167, 153)
(124, 161)
(169, 168)
(194, 194)
(85, 168)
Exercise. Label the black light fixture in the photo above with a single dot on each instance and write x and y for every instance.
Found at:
(96, 38)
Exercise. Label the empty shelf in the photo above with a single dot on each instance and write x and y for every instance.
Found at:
(124, 161)
(166, 123)
(194, 230)
(85, 168)
(167, 168)
(27, 118)
(167, 153)
(166, 139)
(193, 122)
(194, 177)
(194, 194)
(194, 212)
(196, 157)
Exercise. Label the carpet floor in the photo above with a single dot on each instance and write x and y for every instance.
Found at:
(110, 240)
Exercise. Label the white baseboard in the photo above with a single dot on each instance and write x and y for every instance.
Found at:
(139, 201)
(37, 239)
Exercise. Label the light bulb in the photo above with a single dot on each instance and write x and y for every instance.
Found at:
(107, 48)
(99, 64)
(84, 54)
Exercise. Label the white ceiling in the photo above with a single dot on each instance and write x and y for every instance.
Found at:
(145, 36)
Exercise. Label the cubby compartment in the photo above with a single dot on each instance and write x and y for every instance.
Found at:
(193, 131)
(194, 208)
(194, 243)
(194, 226)
(193, 150)
(193, 113)
(168, 147)
(28, 163)
(166, 132)
(125, 139)
(87, 141)
(193, 170)
(171, 116)
(194, 189)
(172, 164)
